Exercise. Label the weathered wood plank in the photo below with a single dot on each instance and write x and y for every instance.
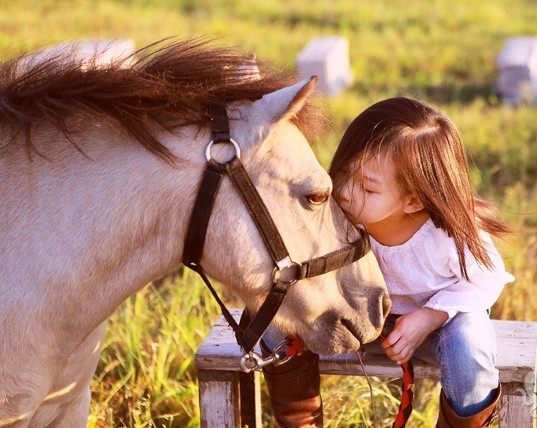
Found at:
(517, 410)
(219, 395)
(517, 350)
(219, 350)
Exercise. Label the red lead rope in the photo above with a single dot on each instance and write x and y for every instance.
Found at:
(405, 408)
(295, 346)
(407, 395)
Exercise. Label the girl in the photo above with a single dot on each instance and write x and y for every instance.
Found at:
(401, 173)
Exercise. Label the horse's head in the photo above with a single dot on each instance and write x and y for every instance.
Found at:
(334, 312)
(160, 101)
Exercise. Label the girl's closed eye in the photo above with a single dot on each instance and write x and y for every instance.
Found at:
(369, 188)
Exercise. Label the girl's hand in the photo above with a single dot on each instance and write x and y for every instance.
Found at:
(410, 331)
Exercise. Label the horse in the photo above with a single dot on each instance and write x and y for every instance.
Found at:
(99, 168)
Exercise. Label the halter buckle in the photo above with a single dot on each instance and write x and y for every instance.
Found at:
(278, 274)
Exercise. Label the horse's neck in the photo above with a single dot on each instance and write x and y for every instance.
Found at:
(83, 233)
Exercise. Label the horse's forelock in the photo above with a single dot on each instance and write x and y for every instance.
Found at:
(170, 84)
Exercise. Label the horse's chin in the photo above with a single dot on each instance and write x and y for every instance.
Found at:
(331, 336)
(341, 345)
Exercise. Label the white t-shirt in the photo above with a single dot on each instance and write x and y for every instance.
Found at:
(425, 272)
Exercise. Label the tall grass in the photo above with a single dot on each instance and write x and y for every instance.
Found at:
(441, 51)
(145, 376)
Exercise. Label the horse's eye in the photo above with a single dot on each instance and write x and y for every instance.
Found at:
(318, 198)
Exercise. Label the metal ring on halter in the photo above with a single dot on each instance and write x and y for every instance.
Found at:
(231, 140)
(282, 264)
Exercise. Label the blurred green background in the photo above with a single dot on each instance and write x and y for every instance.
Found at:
(441, 51)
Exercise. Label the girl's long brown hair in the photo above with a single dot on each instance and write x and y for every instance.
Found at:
(431, 163)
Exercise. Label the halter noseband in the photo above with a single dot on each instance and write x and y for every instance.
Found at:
(286, 272)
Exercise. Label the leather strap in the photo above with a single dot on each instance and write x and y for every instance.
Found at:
(219, 123)
(257, 209)
(203, 208)
(260, 322)
(336, 259)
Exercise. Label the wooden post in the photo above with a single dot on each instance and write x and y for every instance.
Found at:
(516, 408)
(250, 400)
(219, 398)
(228, 397)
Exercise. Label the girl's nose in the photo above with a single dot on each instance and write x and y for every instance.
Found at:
(342, 194)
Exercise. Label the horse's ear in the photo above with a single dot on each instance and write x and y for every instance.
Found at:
(285, 103)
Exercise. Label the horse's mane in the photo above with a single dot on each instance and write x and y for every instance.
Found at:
(172, 84)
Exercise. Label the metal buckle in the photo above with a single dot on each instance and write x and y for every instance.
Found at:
(253, 361)
(281, 265)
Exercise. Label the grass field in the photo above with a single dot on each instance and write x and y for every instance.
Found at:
(440, 51)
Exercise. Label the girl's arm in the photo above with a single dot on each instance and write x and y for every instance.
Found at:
(410, 331)
(482, 289)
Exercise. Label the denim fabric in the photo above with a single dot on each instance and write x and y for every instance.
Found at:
(273, 337)
(465, 351)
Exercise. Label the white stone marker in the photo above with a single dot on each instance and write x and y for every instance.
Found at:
(327, 57)
(517, 64)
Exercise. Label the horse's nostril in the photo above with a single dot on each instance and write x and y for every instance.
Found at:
(386, 305)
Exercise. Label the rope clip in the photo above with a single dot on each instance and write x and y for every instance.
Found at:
(252, 361)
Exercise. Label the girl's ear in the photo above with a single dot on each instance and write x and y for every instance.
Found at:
(413, 204)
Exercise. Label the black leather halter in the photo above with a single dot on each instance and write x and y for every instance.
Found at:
(286, 271)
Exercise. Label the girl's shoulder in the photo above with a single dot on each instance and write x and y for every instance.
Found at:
(426, 237)
(430, 248)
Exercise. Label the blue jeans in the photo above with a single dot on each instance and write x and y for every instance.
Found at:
(465, 351)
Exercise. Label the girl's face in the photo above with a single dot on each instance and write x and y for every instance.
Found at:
(369, 194)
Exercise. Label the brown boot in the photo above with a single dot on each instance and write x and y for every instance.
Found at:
(294, 389)
(447, 418)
